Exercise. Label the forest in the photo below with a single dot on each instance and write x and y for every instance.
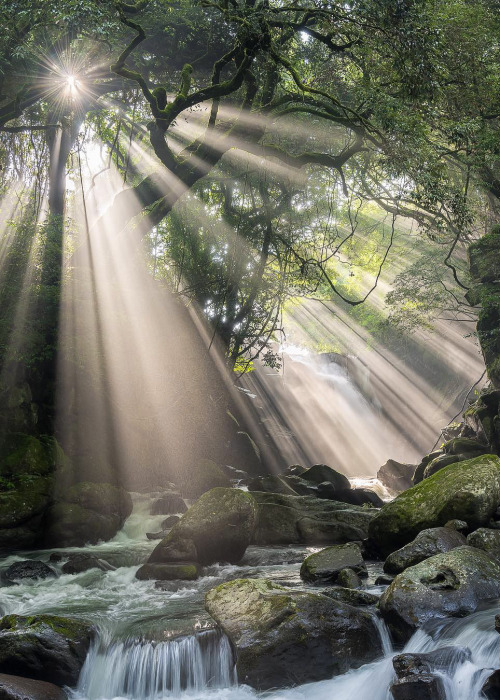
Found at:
(250, 349)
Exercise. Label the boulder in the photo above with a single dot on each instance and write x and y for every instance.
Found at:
(294, 470)
(271, 484)
(359, 497)
(319, 473)
(468, 490)
(17, 688)
(325, 566)
(205, 475)
(28, 569)
(77, 563)
(426, 544)
(284, 637)
(168, 503)
(105, 499)
(305, 488)
(491, 688)
(451, 584)
(422, 687)
(444, 659)
(348, 578)
(22, 454)
(465, 446)
(441, 462)
(420, 468)
(184, 571)
(44, 647)
(169, 522)
(396, 476)
(350, 596)
(285, 519)
(70, 525)
(486, 539)
(218, 527)
(21, 511)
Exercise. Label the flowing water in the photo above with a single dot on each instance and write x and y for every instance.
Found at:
(155, 642)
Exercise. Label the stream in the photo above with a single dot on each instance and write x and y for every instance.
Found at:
(157, 641)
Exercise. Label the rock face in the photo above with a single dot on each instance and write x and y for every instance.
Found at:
(218, 527)
(426, 544)
(308, 520)
(27, 570)
(396, 476)
(285, 637)
(89, 513)
(325, 566)
(44, 647)
(16, 688)
(450, 584)
(469, 491)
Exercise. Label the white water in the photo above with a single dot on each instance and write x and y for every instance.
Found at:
(139, 654)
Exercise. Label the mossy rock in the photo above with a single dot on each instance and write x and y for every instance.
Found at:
(453, 584)
(219, 526)
(203, 476)
(47, 648)
(70, 525)
(326, 565)
(21, 511)
(25, 454)
(102, 498)
(285, 637)
(183, 571)
(468, 490)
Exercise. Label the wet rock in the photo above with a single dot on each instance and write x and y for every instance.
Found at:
(218, 527)
(422, 687)
(169, 503)
(426, 544)
(420, 469)
(285, 637)
(458, 525)
(169, 522)
(359, 497)
(396, 476)
(44, 647)
(384, 580)
(491, 688)
(348, 578)
(77, 563)
(350, 596)
(21, 511)
(204, 475)
(444, 659)
(319, 473)
(441, 462)
(184, 571)
(486, 539)
(308, 520)
(271, 484)
(17, 688)
(28, 569)
(325, 566)
(468, 490)
(156, 535)
(294, 470)
(105, 499)
(465, 446)
(304, 488)
(452, 584)
(327, 490)
(70, 525)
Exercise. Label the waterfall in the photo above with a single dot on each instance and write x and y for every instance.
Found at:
(151, 670)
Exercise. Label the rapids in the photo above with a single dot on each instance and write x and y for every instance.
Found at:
(158, 642)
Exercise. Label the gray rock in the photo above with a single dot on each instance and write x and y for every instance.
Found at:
(420, 469)
(169, 503)
(325, 566)
(458, 525)
(441, 462)
(486, 539)
(77, 563)
(319, 473)
(491, 688)
(169, 522)
(396, 476)
(350, 596)
(16, 688)
(452, 584)
(28, 569)
(271, 484)
(426, 544)
(46, 648)
(348, 578)
(184, 571)
(285, 637)
(422, 687)
(445, 659)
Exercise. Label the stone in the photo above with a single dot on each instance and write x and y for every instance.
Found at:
(491, 688)
(348, 578)
(396, 476)
(284, 637)
(28, 569)
(77, 563)
(294, 470)
(17, 688)
(70, 525)
(422, 687)
(271, 484)
(468, 490)
(105, 499)
(46, 648)
(426, 544)
(217, 528)
(168, 503)
(441, 462)
(21, 511)
(452, 584)
(305, 488)
(486, 539)
(325, 566)
(350, 596)
(420, 469)
(443, 659)
(22, 454)
(458, 525)
(169, 522)
(319, 473)
(285, 519)
(184, 571)
(465, 446)
(359, 497)
(384, 580)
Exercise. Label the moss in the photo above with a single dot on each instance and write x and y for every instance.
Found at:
(70, 628)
